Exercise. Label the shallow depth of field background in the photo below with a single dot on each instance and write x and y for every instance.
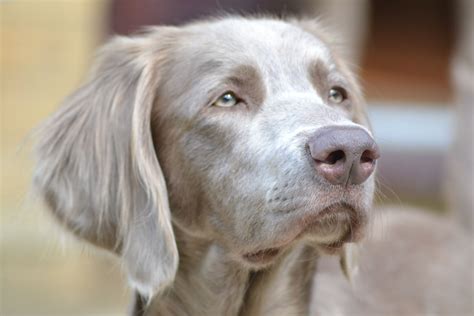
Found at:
(46, 48)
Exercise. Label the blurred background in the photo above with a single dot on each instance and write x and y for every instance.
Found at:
(415, 60)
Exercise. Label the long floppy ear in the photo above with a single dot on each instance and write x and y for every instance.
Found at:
(97, 169)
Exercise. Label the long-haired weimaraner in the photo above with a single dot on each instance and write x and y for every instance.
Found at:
(219, 160)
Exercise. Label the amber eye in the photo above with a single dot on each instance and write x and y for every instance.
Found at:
(337, 95)
(227, 100)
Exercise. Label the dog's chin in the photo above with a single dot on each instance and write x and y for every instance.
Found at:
(328, 231)
(334, 226)
(262, 258)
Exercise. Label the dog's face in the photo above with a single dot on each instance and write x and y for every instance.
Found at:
(250, 129)
(236, 115)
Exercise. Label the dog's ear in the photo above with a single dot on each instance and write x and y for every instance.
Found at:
(97, 168)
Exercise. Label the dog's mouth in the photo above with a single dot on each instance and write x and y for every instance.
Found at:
(328, 230)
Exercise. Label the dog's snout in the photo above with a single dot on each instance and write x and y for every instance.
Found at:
(343, 155)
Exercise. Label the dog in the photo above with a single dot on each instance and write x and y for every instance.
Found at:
(218, 160)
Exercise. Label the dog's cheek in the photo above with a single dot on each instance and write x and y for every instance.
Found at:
(183, 182)
(197, 169)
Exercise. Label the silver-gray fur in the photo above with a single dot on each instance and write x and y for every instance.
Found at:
(213, 211)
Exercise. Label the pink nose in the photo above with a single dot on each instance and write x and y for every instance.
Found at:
(343, 154)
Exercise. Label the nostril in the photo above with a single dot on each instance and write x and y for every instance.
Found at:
(334, 157)
(362, 170)
(367, 157)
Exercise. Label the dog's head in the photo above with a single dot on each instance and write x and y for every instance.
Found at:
(250, 131)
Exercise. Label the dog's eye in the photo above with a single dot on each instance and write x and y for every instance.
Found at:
(227, 100)
(337, 95)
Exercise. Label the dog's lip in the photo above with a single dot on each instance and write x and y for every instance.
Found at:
(262, 256)
(308, 223)
(331, 248)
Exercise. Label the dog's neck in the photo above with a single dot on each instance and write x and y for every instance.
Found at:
(210, 283)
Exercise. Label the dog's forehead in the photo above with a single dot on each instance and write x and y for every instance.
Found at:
(262, 41)
(283, 53)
